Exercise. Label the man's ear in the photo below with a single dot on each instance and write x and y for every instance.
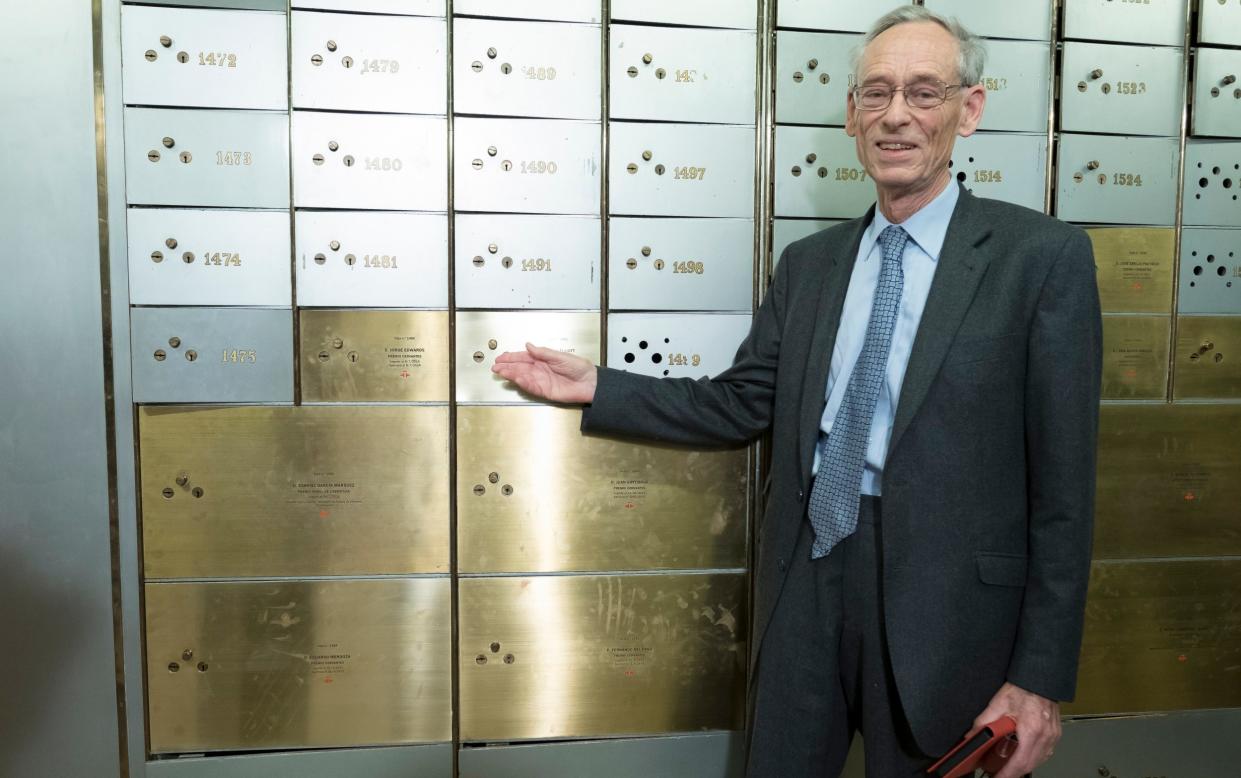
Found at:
(850, 116)
(973, 99)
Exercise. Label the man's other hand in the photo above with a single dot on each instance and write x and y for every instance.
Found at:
(550, 374)
(1038, 727)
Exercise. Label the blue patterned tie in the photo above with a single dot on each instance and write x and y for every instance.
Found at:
(842, 454)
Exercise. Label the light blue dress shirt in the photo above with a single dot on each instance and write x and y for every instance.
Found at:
(926, 229)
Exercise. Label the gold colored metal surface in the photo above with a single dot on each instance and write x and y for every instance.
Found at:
(1167, 482)
(1135, 357)
(579, 656)
(374, 356)
(535, 495)
(1135, 266)
(294, 491)
(484, 335)
(298, 664)
(1208, 358)
(1161, 635)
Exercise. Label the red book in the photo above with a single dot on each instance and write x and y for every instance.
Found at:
(988, 748)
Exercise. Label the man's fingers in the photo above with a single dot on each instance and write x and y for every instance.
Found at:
(509, 357)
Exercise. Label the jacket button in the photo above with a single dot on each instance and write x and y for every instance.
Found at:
(780, 565)
(800, 494)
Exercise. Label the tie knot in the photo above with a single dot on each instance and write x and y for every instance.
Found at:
(893, 240)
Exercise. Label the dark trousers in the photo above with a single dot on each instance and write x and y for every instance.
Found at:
(823, 670)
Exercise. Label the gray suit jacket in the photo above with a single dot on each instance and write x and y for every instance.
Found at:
(988, 489)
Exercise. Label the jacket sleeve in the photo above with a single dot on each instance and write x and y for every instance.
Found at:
(1061, 426)
(731, 408)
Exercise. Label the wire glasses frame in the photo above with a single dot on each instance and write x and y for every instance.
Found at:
(924, 94)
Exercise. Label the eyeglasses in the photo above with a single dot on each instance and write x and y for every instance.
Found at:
(924, 94)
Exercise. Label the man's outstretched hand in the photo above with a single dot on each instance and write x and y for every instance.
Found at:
(550, 374)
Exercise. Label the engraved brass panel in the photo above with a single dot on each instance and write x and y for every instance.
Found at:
(1208, 357)
(587, 503)
(484, 335)
(1134, 266)
(578, 656)
(1167, 481)
(298, 664)
(294, 491)
(374, 356)
(1161, 635)
(1135, 357)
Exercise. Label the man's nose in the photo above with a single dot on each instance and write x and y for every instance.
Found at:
(898, 113)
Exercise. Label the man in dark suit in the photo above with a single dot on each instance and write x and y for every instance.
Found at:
(929, 374)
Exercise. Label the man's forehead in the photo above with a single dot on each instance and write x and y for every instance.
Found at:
(914, 49)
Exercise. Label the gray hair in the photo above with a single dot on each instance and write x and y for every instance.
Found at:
(971, 51)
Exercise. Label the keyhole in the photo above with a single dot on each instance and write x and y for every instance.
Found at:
(182, 57)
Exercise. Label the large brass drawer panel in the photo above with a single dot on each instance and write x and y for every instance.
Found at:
(1208, 358)
(1135, 357)
(298, 664)
(582, 656)
(1167, 483)
(535, 495)
(294, 491)
(1134, 268)
(1161, 635)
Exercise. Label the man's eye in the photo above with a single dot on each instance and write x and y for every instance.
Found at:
(874, 92)
(925, 93)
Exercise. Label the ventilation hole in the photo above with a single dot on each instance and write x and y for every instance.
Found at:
(642, 344)
(657, 357)
(961, 176)
(1202, 182)
(1221, 271)
(1197, 270)
(629, 357)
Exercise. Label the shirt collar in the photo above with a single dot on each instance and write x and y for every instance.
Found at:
(927, 227)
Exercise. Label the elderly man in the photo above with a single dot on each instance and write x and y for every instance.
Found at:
(929, 374)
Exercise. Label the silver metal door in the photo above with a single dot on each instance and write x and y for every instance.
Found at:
(689, 345)
(535, 69)
(1212, 183)
(1159, 22)
(553, 10)
(813, 74)
(1003, 166)
(484, 335)
(681, 170)
(681, 264)
(190, 57)
(527, 165)
(737, 14)
(843, 15)
(680, 74)
(1026, 20)
(394, 163)
(510, 261)
(404, 7)
(360, 62)
(1018, 83)
(208, 257)
(1217, 92)
(1210, 271)
(221, 355)
(1116, 180)
(1134, 90)
(371, 260)
(212, 158)
(817, 174)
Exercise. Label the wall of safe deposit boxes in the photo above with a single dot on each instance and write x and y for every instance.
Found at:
(324, 258)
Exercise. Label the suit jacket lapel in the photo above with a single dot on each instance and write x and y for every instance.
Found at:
(960, 268)
(831, 296)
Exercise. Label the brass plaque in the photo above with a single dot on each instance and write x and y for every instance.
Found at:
(1208, 358)
(374, 356)
(536, 495)
(298, 664)
(293, 491)
(1167, 482)
(484, 335)
(1161, 635)
(1135, 357)
(1134, 268)
(586, 656)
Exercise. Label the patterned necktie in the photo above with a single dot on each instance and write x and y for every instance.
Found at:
(837, 488)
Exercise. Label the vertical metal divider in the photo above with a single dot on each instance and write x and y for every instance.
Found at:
(454, 638)
(605, 249)
(764, 207)
(296, 317)
(1178, 225)
(109, 385)
(1053, 80)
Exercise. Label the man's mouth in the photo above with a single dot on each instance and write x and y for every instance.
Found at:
(893, 146)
